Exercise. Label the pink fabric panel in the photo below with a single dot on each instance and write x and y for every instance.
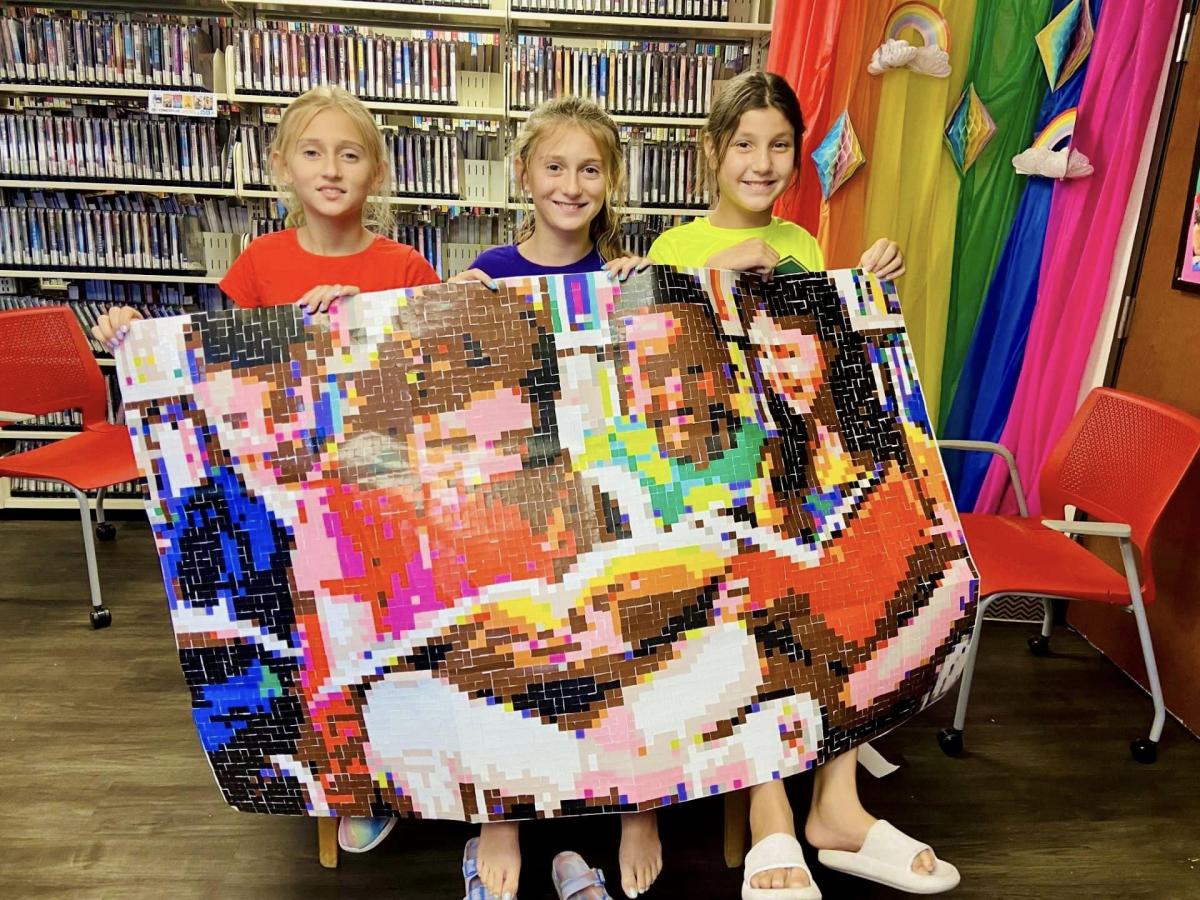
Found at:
(1132, 40)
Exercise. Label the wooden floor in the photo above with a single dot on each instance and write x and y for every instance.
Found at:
(104, 791)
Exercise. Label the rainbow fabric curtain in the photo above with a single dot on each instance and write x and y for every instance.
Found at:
(978, 408)
(941, 96)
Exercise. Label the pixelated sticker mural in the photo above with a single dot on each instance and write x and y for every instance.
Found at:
(577, 546)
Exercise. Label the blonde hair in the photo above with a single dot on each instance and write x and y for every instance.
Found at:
(748, 91)
(377, 213)
(605, 229)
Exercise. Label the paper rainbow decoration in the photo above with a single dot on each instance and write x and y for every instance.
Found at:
(1051, 155)
(1058, 132)
(932, 57)
(927, 21)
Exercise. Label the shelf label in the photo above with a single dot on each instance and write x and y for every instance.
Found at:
(184, 103)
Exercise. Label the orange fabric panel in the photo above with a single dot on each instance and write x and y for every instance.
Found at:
(842, 229)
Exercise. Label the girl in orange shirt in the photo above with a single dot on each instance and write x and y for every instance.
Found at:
(329, 161)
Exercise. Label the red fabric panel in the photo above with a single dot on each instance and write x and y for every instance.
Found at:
(802, 51)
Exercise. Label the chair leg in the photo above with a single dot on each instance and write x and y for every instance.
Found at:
(950, 739)
(105, 531)
(1144, 750)
(101, 617)
(1039, 644)
(737, 823)
(327, 844)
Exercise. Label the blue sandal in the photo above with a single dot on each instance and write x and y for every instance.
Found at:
(472, 883)
(572, 876)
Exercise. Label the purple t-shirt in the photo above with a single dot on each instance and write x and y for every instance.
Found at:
(507, 261)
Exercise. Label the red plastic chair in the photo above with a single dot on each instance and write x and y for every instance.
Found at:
(1119, 461)
(47, 366)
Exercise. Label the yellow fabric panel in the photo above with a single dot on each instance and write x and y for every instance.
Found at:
(913, 193)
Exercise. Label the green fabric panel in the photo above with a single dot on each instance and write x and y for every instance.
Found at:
(1007, 71)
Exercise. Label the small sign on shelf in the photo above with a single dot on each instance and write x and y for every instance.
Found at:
(183, 103)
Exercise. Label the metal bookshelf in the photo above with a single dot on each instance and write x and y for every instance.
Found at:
(85, 90)
(261, 194)
(35, 183)
(101, 275)
(501, 16)
(597, 24)
(430, 110)
(621, 119)
(372, 12)
(11, 501)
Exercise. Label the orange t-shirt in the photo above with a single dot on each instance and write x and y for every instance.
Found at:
(275, 270)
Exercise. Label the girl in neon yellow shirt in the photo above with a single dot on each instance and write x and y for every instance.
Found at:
(752, 145)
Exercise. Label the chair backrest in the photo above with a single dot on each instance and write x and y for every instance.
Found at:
(1120, 460)
(46, 365)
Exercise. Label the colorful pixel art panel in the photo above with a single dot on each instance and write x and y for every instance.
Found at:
(575, 547)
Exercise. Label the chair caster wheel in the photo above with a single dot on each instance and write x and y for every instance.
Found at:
(106, 531)
(951, 741)
(1144, 750)
(101, 617)
(1039, 645)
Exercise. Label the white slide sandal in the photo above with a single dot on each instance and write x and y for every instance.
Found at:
(777, 851)
(886, 857)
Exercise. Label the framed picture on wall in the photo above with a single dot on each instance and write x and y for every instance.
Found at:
(1187, 267)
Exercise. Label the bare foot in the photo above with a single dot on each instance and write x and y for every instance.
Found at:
(836, 818)
(771, 813)
(838, 828)
(500, 858)
(641, 852)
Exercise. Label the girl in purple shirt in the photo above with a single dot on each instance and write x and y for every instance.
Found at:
(568, 160)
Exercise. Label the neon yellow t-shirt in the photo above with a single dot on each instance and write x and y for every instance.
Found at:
(689, 246)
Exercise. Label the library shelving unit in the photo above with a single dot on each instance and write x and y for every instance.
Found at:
(516, 50)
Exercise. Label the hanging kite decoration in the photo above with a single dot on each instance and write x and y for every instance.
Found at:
(969, 131)
(838, 156)
(1052, 155)
(932, 57)
(1066, 42)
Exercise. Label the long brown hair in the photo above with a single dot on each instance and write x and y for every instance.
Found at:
(605, 229)
(750, 90)
(377, 213)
